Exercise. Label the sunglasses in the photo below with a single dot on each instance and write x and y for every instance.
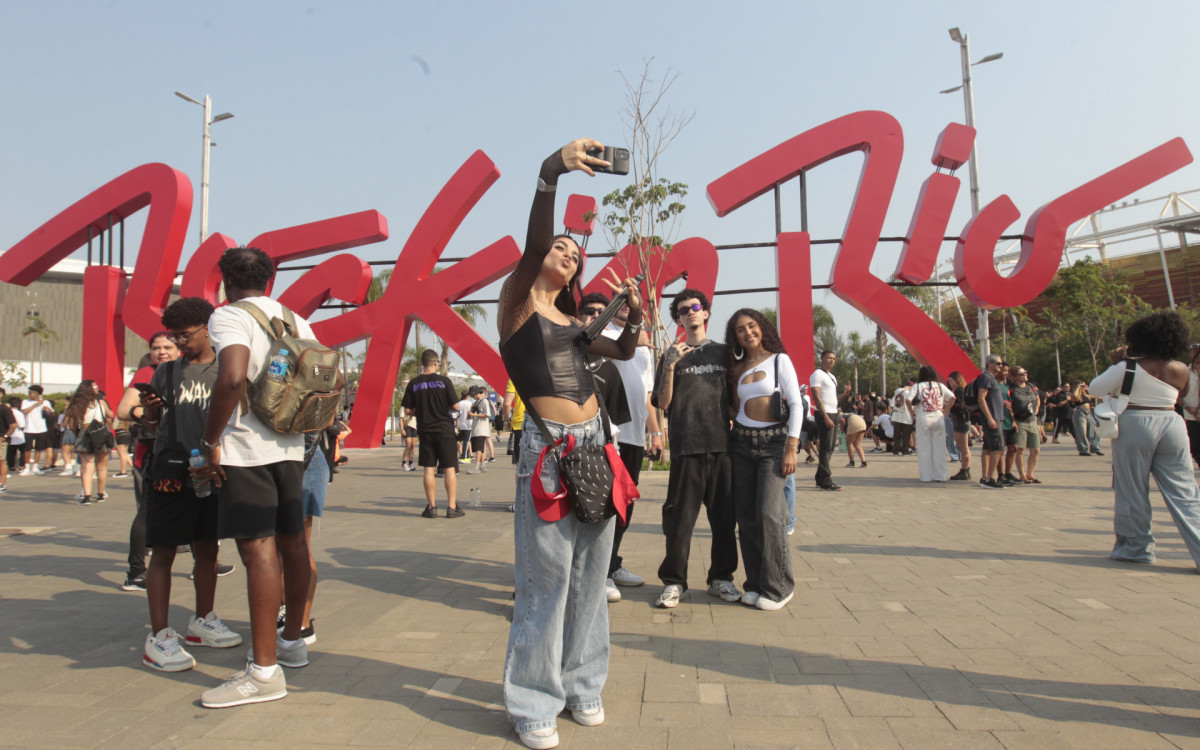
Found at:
(591, 311)
(694, 307)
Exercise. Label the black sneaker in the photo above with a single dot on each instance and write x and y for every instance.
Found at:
(308, 635)
(1004, 481)
(455, 512)
(429, 512)
(962, 474)
(134, 584)
(990, 484)
(830, 487)
(1097, 453)
(87, 500)
(224, 570)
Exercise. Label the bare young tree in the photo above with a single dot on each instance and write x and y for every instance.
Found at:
(646, 213)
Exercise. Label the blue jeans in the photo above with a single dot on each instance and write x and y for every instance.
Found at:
(558, 643)
(1152, 442)
(789, 497)
(951, 446)
(1087, 439)
(761, 513)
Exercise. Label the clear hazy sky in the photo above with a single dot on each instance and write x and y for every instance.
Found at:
(346, 106)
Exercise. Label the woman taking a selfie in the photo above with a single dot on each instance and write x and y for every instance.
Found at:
(558, 645)
(763, 452)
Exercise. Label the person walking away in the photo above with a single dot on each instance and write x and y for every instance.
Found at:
(690, 389)
(1151, 438)
(902, 420)
(1087, 439)
(430, 398)
(90, 417)
(824, 388)
(932, 399)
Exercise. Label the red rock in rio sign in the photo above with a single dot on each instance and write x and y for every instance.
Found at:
(111, 302)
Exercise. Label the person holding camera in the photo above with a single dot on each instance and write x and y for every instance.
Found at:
(558, 645)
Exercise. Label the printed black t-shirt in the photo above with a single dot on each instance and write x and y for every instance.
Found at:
(699, 413)
(431, 397)
(189, 404)
(995, 399)
(612, 389)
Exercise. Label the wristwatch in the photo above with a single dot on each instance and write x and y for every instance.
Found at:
(210, 447)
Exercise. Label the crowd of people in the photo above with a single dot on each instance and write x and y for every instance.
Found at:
(207, 466)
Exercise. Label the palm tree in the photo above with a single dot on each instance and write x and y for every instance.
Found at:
(37, 327)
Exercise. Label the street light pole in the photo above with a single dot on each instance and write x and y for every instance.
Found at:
(984, 332)
(208, 144)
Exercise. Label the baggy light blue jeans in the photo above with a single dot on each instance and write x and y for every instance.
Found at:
(1087, 437)
(761, 512)
(558, 643)
(1152, 442)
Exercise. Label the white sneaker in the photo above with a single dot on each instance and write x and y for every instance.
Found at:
(27, 471)
(211, 632)
(38, 471)
(610, 588)
(623, 577)
(164, 653)
(588, 717)
(474, 469)
(750, 598)
(669, 598)
(67, 472)
(75, 470)
(770, 605)
(725, 590)
(540, 739)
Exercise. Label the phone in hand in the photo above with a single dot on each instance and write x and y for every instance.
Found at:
(147, 390)
(616, 156)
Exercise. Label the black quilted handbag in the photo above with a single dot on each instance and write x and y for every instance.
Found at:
(589, 479)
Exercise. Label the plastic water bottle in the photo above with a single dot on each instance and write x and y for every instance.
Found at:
(203, 488)
(475, 497)
(278, 366)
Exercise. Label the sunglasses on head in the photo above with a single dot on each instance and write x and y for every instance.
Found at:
(694, 307)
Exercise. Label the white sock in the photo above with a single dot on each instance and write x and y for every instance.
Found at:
(262, 673)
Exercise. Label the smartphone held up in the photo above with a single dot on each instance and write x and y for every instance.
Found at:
(616, 156)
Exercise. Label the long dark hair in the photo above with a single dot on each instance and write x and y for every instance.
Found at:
(84, 396)
(770, 340)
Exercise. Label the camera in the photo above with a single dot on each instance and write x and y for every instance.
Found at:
(617, 156)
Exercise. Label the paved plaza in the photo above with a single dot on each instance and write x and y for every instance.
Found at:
(925, 616)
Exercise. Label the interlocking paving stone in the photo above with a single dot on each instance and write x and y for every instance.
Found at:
(925, 616)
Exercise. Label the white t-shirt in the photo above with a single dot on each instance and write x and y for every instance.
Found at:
(18, 436)
(1192, 397)
(35, 420)
(885, 422)
(901, 408)
(482, 426)
(246, 441)
(637, 375)
(933, 396)
(828, 385)
(462, 415)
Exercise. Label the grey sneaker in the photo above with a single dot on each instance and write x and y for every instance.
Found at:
(293, 658)
(243, 688)
(623, 577)
(726, 590)
(210, 631)
(669, 598)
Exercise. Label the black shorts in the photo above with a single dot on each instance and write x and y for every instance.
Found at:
(438, 450)
(1010, 436)
(992, 439)
(410, 432)
(37, 441)
(124, 437)
(479, 444)
(959, 422)
(262, 501)
(175, 518)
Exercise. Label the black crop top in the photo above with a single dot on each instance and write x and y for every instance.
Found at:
(547, 359)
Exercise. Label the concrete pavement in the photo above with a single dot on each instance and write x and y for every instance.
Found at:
(925, 616)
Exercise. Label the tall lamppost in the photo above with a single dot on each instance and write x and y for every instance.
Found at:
(964, 46)
(208, 144)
